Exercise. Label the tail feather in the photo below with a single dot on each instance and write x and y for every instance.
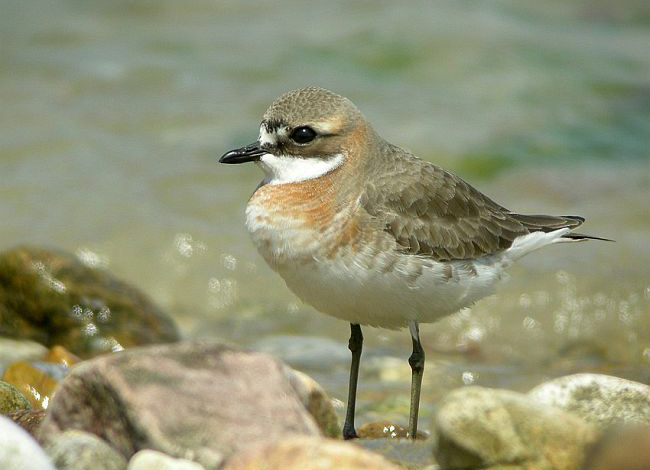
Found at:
(551, 223)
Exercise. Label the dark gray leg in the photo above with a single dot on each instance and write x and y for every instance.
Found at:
(416, 361)
(355, 345)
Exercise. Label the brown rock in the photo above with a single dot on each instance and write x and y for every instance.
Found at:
(621, 448)
(307, 453)
(29, 420)
(317, 402)
(59, 355)
(52, 298)
(198, 401)
(36, 386)
(385, 430)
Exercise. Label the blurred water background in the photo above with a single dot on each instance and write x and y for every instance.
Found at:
(112, 116)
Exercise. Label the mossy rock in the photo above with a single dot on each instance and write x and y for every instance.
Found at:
(11, 399)
(51, 297)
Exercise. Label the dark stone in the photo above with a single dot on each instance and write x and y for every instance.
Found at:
(29, 420)
(197, 401)
(52, 298)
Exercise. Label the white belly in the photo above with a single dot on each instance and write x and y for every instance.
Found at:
(385, 289)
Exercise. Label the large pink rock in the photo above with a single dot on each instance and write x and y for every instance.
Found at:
(198, 401)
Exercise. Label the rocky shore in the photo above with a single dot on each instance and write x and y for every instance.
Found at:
(93, 376)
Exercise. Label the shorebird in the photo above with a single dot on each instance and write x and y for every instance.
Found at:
(366, 232)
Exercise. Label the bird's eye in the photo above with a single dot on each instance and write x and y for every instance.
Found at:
(303, 135)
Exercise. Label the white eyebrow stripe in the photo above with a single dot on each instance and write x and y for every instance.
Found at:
(284, 169)
(266, 137)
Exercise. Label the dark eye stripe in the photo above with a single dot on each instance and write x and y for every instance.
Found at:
(303, 135)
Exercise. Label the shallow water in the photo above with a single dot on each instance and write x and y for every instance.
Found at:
(113, 115)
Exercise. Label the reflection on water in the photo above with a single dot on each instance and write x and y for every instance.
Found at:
(113, 114)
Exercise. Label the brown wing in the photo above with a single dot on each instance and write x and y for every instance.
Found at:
(432, 213)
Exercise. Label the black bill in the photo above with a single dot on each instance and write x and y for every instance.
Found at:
(250, 153)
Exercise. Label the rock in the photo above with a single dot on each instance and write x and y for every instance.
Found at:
(386, 430)
(59, 355)
(597, 398)
(621, 448)
(307, 453)
(382, 430)
(53, 298)
(199, 401)
(78, 450)
(317, 402)
(152, 460)
(18, 450)
(11, 399)
(13, 350)
(29, 420)
(36, 386)
(478, 427)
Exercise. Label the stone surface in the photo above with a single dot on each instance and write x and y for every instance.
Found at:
(29, 420)
(317, 402)
(78, 450)
(12, 350)
(621, 448)
(597, 398)
(386, 430)
(382, 430)
(11, 399)
(52, 298)
(307, 453)
(18, 450)
(152, 460)
(36, 386)
(59, 355)
(478, 427)
(200, 401)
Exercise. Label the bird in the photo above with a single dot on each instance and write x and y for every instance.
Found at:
(367, 232)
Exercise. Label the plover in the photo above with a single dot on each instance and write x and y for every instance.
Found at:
(365, 231)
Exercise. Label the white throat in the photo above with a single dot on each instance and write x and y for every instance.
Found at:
(284, 170)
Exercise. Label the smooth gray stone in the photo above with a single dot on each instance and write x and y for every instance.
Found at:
(79, 450)
(597, 398)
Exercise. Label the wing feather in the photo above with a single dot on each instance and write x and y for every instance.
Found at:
(431, 212)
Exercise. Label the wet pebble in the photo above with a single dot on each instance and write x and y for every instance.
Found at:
(386, 430)
(57, 354)
(35, 385)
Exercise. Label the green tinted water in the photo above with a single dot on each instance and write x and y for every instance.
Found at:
(113, 115)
